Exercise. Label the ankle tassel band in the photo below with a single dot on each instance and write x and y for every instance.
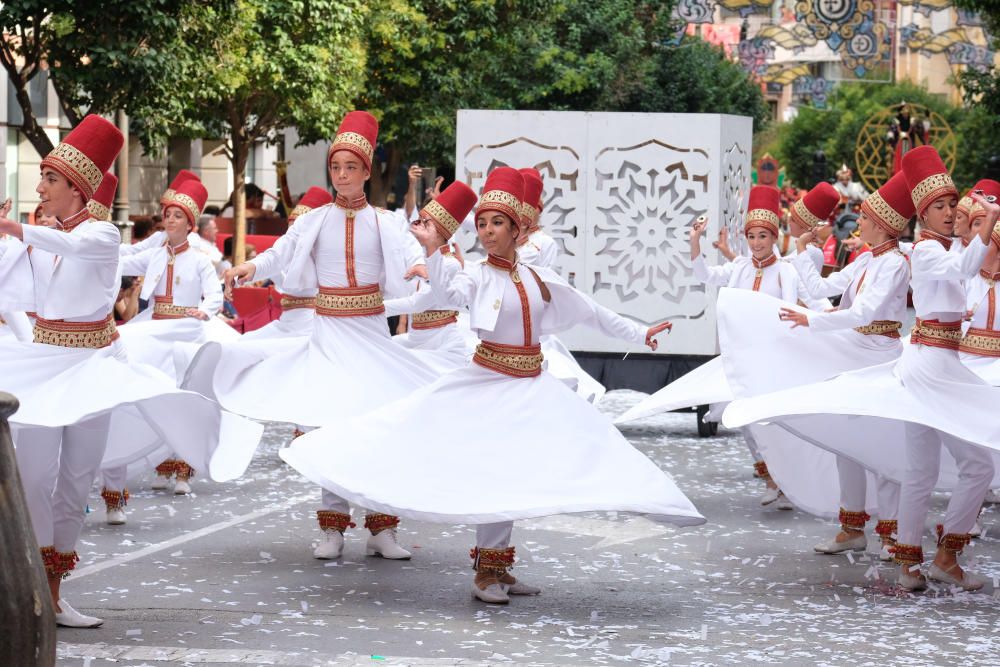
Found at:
(885, 528)
(952, 542)
(376, 522)
(853, 520)
(907, 554)
(114, 500)
(497, 561)
(166, 469)
(330, 520)
(58, 564)
(182, 471)
(761, 468)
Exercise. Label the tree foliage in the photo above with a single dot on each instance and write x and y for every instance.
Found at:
(90, 71)
(835, 129)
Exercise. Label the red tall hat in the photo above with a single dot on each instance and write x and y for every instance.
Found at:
(86, 153)
(764, 209)
(503, 192)
(816, 206)
(891, 206)
(313, 198)
(100, 204)
(182, 175)
(531, 210)
(927, 177)
(358, 133)
(991, 190)
(190, 197)
(449, 209)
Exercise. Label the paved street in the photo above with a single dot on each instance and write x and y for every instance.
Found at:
(226, 577)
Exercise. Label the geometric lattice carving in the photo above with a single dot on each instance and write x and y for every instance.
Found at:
(641, 219)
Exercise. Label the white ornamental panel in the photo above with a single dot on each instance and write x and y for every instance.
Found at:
(621, 192)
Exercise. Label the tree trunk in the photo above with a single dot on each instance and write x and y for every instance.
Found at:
(240, 154)
(384, 175)
(26, 610)
(36, 135)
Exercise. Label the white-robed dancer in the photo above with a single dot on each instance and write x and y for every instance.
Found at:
(185, 296)
(761, 272)
(896, 418)
(575, 462)
(434, 330)
(77, 393)
(863, 331)
(707, 384)
(298, 306)
(349, 364)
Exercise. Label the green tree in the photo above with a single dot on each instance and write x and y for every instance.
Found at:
(268, 64)
(89, 71)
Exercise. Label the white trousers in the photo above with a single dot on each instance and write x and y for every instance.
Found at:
(923, 461)
(114, 479)
(494, 535)
(854, 490)
(57, 467)
(751, 444)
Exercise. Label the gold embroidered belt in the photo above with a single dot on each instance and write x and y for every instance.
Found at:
(888, 328)
(433, 319)
(92, 335)
(296, 302)
(513, 360)
(984, 342)
(349, 301)
(164, 308)
(932, 333)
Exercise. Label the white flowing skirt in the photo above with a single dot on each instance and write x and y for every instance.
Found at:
(480, 447)
(59, 386)
(155, 342)
(861, 414)
(295, 322)
(988, 368)
(444, 349)
(348, 366)
(559, 361)
(706, 384)
(762, 354)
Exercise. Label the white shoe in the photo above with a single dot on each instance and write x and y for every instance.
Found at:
(859, 543)
(330, 546)
(977, 529)
(492, 594)
(116, 517)
(912, 582)
(992, 497)
(783, 503)
(71, 618)
(968, 582)
(521, 588)
(770, 495)
(181, 487)
(385, 545)
(161, 483)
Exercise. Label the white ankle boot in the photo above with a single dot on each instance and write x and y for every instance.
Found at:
(182, 487)
(384, 544)
(859, 543)
(492, 594)
(330, 546)
(116, 517)
(161, 483)
(71, 618)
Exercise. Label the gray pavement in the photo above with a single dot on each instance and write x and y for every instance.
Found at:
(226, 577)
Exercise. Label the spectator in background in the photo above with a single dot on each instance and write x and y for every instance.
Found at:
(212, 210)
(127, 304)
(255, 200)
(203, 240)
